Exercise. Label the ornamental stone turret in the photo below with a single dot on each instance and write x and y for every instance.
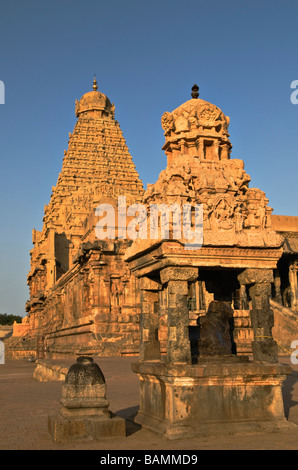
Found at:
(196, 128)
(200, 170)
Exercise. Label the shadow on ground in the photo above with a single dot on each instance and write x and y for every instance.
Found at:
(129, 415)
(288, 392)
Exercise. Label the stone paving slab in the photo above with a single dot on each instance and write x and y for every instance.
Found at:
(26, 404)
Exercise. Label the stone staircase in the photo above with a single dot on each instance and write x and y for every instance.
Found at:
(20, 347)
(26, 346)
(285, 328)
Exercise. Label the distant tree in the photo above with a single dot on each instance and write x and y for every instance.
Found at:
(6, 319)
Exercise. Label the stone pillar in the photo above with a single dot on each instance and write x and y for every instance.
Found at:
(224, 152)
(176, 278)
(182, 145)
(200, 146)
(277, 283)
(262, 320)
(243, 298)
(216, 149)
(51, 260)
(149, 320)
(294, 285)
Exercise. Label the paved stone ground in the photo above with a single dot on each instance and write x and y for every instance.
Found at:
(26, 404)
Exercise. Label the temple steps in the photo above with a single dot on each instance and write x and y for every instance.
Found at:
(20, 347)
(285, 327)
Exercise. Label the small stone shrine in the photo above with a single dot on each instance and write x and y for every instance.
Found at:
(192, 381)
(85, 412)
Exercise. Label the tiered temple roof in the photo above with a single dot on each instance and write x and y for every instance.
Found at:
(97, 165)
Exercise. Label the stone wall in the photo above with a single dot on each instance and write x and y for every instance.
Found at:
(5, 330)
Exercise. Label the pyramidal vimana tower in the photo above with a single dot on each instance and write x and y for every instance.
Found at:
(82, 296)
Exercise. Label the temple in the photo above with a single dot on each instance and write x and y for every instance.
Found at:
(81, 293)
(86, 293)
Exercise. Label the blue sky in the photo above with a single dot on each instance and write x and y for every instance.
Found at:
(146, 56)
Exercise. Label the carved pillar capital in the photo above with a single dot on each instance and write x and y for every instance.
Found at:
(178, 273)
(148, 284)
(254, 276)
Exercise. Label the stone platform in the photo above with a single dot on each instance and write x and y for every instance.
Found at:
(64, 430)
(212, 397)
(47, 370)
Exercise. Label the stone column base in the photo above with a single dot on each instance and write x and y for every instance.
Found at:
(220, 395)
(65, 429)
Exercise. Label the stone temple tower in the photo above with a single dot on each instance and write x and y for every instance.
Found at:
(97, 167)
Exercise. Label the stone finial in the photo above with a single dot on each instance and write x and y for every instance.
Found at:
(95, 84)
(195, 91)
(84, 372)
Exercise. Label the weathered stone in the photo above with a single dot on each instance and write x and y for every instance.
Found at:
(178, 350)
(214, 397)
(85, 412)
(178, 273)
(75, 278)
(223, 392)
(62, 429)
(84, 372)
(255, 276)
(215, 330)
(264, 347)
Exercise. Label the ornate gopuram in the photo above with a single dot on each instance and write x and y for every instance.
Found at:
(200, 282)
(83, 298)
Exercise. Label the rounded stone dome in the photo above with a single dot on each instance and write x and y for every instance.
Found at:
(205, 111)
(94, 101)
(195, 114)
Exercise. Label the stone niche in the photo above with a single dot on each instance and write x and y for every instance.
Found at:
(197, 384)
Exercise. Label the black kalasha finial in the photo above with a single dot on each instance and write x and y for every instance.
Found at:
(84, 372)
(195, 92)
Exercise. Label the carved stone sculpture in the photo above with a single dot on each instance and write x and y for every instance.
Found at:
(85, 412)
(215, 336)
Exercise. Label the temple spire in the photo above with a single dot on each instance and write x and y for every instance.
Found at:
(94, 84)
